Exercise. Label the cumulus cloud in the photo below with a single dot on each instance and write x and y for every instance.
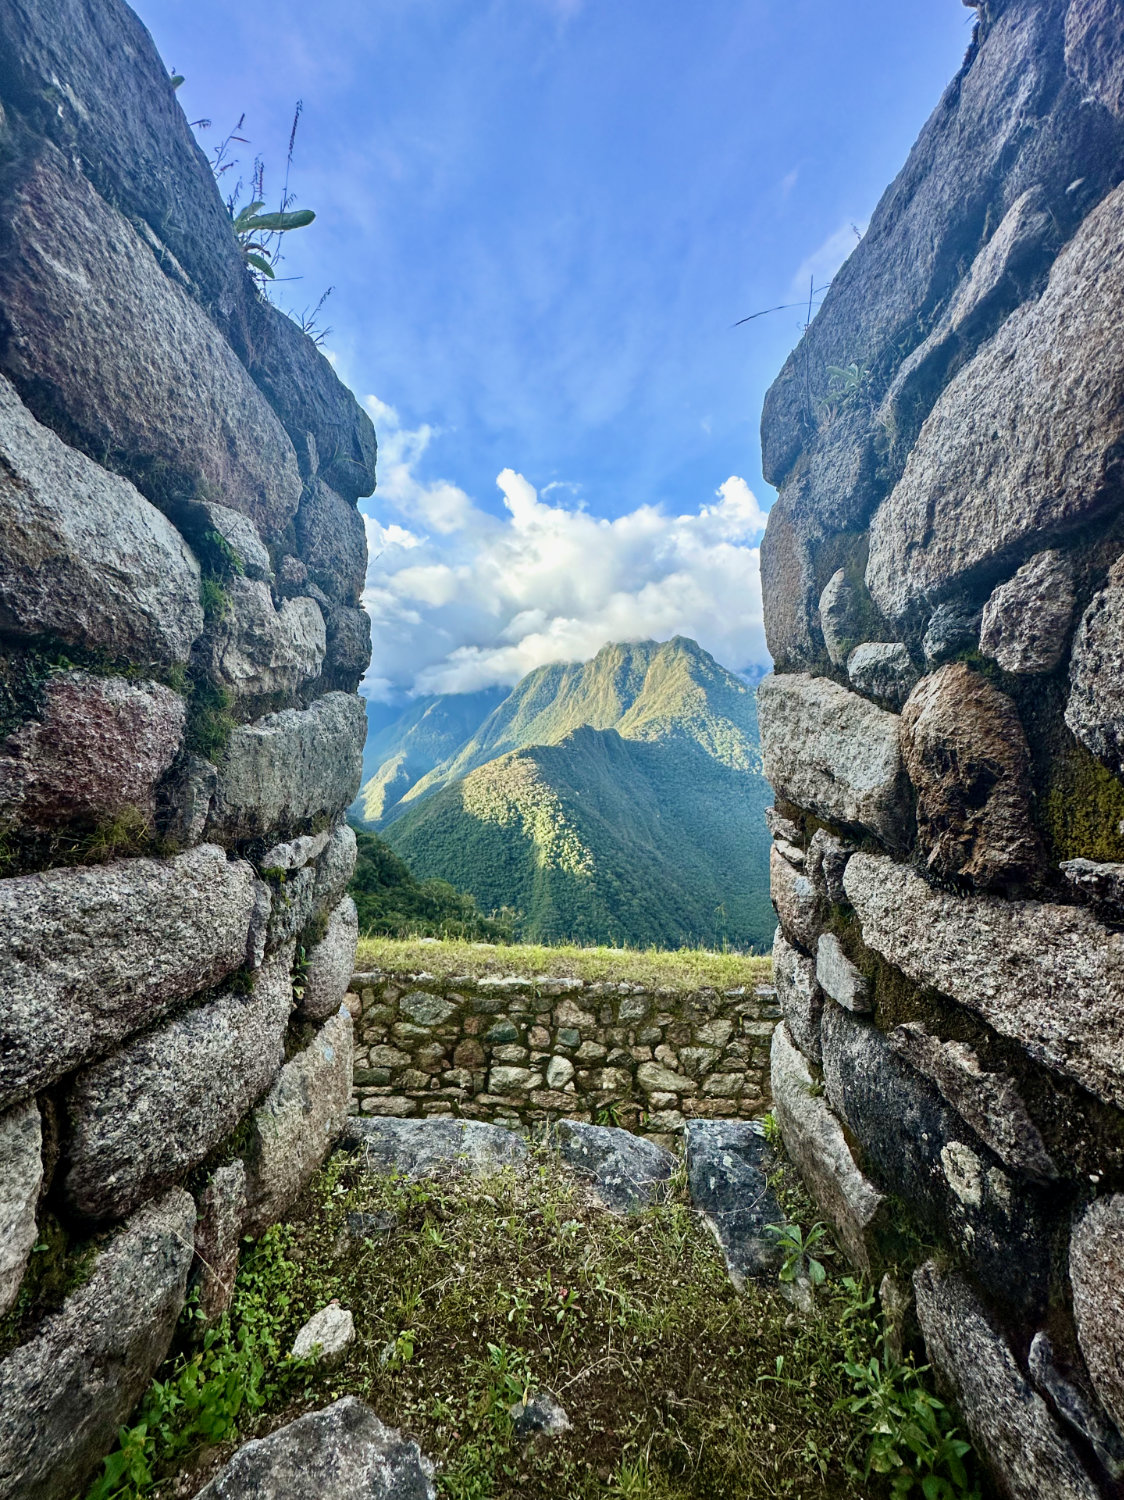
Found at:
(461, 599)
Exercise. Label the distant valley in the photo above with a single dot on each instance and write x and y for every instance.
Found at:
(617, 800)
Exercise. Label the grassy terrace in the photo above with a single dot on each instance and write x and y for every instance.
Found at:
(466, 1296)
(677, 969)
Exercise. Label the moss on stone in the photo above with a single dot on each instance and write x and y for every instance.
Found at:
(1083, 808)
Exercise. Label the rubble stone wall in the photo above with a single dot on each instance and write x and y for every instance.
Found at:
(943, 580)
(527, 1051)
(180, 645)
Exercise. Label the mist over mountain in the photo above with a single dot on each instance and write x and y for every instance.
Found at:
(618, 799)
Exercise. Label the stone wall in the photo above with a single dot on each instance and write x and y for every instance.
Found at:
(526, 1051)
(944, 600)
(180, 644)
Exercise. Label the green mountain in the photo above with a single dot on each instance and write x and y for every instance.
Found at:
(399, 754)
(619, 800)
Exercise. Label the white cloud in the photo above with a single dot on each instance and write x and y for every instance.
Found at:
(461, 599)
(826, 259)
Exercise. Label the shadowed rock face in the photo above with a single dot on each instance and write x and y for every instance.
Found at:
(143, 381)
(1022, 441)
(1007, 1419)
(727, 1166)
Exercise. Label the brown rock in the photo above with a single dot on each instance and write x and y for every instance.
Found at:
(966, 754)
(99, 749)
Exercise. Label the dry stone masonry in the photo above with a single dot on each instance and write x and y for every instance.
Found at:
(525, 1052)
(181, 559)
(944, 601)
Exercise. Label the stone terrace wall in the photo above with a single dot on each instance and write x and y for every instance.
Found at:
(180, 643)
(944, 599)
(521, 1051)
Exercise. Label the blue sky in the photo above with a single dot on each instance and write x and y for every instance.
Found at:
(540, 219)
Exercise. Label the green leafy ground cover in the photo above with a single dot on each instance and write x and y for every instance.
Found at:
(467, 1300)
(678, 969)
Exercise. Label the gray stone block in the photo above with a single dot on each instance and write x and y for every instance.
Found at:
(288, 768)
(625, 1172)
(849, 768)
(795, 900)
(424, 1148)
(155, 1109)
(989, 1103)
(1009, 1423)
(340, 1453)
(800, 997)
(254, 649)
(143, 380)
(218, 1238)
(1050, 977)
(65, 1393)
(1096, 1255)
(883, 670)
(330, 964)
(924, 1154)
(814, 1139)
(83, 555)
(332, 542)
(727, 1173)
(838, 977)
(1026, 621)
(1095, 710)
(298, 1122)
(21, 1176)
(93, 954)
(1051, 381)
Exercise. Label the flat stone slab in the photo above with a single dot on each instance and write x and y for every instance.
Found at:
(1051, 977)
(727, 1173)
(424, 1148)
(626, 1172)
(340, 1453)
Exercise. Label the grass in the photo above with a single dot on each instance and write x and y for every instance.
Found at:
(672, 969)
(465, 1301)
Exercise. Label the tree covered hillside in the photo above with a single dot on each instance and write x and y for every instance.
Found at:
(603, 839)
